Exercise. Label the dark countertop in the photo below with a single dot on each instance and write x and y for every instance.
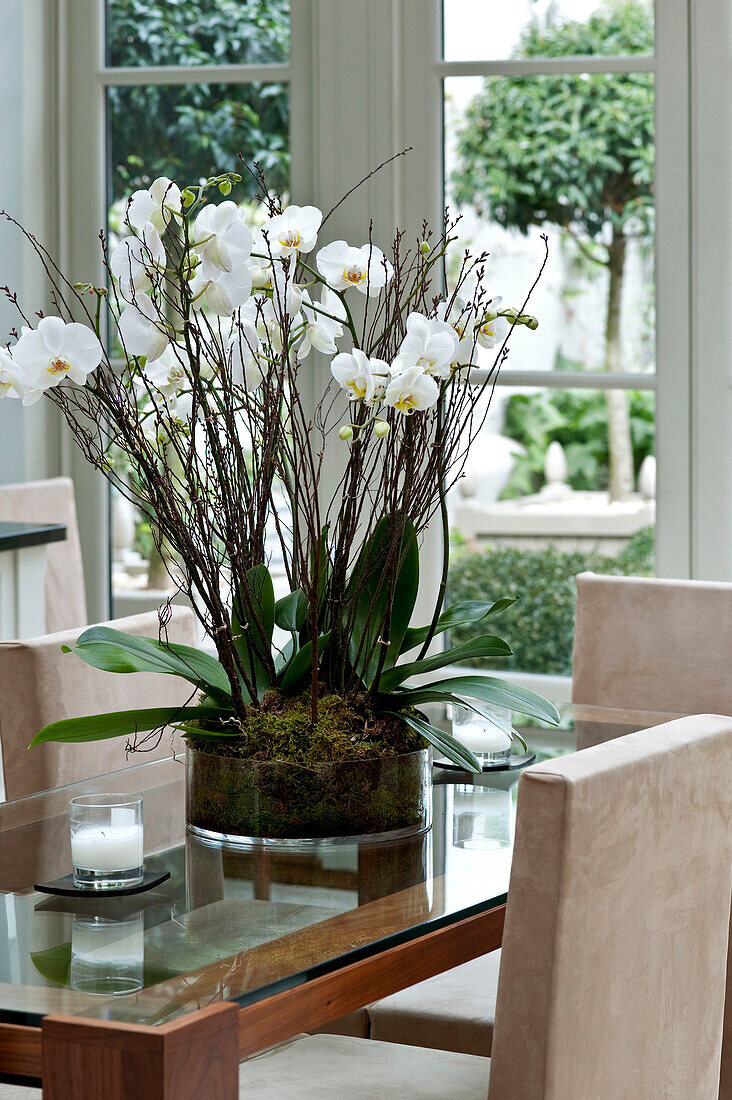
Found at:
(14, 536)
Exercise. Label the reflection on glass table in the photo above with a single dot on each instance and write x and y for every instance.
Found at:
(233, 924)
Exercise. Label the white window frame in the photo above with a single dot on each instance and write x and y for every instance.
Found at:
(366, 80)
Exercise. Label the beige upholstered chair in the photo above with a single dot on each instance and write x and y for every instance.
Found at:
(53, 501)
(617, 917)
(640, 644)
(39, 683)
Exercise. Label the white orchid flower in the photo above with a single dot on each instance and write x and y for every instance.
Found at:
(13, 382)
(262, 314)
(244, 360)
(321, 332)
(362, 378)
(293, 231)
(166, 373)
(136, 259)
(54, 351)
(492, 329)
(223, 291)
(221, 238)
(156, 205)
(459, 315)
(366, 268)
(411, 391)
(431, 344)
(180, 408)
(142, 330)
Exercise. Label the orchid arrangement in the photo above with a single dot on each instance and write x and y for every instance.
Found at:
(214, 403)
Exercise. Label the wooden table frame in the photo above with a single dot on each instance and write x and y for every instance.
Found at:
(198, 1055)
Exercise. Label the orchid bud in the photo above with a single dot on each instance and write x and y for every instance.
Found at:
(235, 177)
(510, 314)
(188, 197)
(225, 187)
(345, 433)
(381, 428)
(529, 321)
(424, 247)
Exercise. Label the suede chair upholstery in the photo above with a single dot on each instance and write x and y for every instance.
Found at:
(617, 917)
(52, 501)
(647, 644)
(39, 683)
(641, 642)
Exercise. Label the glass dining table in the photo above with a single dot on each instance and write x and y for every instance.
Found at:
(251, 945)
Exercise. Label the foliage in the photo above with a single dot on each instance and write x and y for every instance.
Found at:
(573, 150)
(578, 420)
(540, 625)
(197, 129)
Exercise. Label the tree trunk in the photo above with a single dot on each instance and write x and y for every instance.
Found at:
(618, 411)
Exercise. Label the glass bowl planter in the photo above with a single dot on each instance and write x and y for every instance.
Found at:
(274, 801)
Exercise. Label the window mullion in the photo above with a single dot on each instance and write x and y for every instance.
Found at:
(563, 380)
(558, 66)
(193, 74)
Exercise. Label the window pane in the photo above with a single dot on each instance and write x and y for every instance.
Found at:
(204, 32)
(489, 30)
(534, 510)
(573, 157)
(185, 132)
(188, 132)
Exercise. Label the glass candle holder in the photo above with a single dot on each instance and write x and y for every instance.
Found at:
(107, 956)
(489, 740)
(481, 818)
(106, 841)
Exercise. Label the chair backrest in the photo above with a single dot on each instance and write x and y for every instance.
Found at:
(617, 920)
(660, 645)
(53, 501)
(39, 683)
(649, 644)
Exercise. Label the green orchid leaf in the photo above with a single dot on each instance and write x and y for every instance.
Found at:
(444, 742)
(491, 689)
(114, 651)
(252, 621)
(301, 663)
(459, 614)
(122, 723)
(417, 697)
(261, 590)
(376, 592)
(285, 655)
(484, 646)
(53, 963)
(291, 611)
(206, 734)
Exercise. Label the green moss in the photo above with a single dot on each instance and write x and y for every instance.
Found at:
(282, 729)
(350, 797)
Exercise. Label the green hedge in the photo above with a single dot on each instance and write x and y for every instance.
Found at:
(540, 627)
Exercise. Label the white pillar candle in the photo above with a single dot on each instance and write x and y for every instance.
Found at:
(113, 847)
(482, 738)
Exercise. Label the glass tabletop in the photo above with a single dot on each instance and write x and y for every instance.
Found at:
(240, 925)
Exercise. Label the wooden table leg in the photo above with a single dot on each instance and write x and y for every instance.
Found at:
(191, 1058)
